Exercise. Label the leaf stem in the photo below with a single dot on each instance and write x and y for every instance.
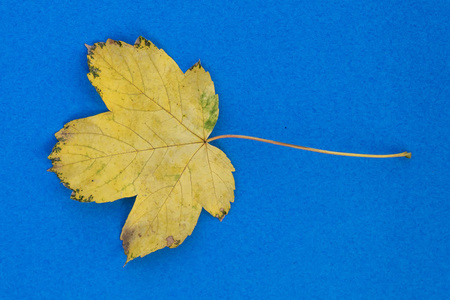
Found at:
(227, 136)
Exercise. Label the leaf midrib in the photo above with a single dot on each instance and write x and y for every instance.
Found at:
(127, 152)
(151, 99)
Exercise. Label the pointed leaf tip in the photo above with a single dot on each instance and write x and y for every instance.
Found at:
(142, 42)
(139, 40)
(196, 65)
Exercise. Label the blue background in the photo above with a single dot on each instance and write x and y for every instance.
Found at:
(356, 76)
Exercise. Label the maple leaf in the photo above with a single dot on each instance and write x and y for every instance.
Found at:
(152, 143)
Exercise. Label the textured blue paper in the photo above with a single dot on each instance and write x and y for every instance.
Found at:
(356, 76)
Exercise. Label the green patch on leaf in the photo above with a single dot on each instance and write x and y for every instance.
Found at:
(210, 106)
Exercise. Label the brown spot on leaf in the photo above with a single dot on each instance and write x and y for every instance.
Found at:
(196, 65)
(126, 246)
(89, 48)
(223, 214)
(99, 91)
(141, 42)
(111, 41)
(170, 241)
(56, 148)
(126, 237)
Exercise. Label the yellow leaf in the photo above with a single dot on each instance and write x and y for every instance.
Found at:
(151, 143)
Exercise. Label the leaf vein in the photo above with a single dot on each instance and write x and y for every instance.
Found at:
(112, 67)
